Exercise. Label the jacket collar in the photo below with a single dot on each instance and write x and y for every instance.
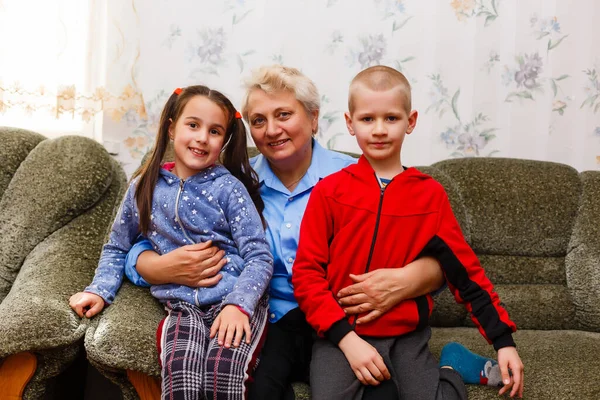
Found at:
(316, 171)
(205, 175)
(363, 171)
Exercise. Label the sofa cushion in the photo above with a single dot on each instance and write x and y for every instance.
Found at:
(558, 364)
(125, 335)
(59, 180)
(537, 306)
(513, 207)
(521, 270)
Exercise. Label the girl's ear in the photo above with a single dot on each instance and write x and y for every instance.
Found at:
(171, 130)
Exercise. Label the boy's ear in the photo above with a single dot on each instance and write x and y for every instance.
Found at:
(349, 123)
(412, 121)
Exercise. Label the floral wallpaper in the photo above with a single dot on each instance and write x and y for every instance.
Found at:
(490, 78)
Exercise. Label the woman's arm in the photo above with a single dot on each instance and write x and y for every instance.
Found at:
(195, 265)
(378, 291)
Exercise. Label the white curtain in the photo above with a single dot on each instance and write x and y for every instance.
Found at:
(57, 64)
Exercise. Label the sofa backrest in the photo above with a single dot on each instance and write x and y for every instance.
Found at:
(519, 216)
(16, 145)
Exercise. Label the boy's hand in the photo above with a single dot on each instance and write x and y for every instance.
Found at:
(365, 361)
(82, 301)
(509, 358)
(229, 323)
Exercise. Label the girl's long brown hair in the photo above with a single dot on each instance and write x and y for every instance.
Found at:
(234, 156)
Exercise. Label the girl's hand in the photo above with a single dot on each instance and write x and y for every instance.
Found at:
(194, 265)
(231, 324)
(364, 359)
(82, 301)
(508, 358)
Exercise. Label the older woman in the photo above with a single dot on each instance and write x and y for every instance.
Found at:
(281, 107)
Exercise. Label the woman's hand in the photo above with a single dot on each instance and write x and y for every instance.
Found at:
(373, 293)
(231, 324)
(195, 265)
(376, 292)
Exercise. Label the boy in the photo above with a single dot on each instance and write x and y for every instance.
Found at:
(379, 214)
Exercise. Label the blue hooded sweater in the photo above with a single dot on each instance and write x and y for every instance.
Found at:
(211, 205)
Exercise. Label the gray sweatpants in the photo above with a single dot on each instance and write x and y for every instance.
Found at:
(414, 370)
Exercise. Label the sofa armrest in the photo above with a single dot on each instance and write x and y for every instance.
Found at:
(35, 314)
(125, 334)
(582, 262)
(59, 180)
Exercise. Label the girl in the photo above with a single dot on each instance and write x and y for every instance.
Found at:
(190, 201)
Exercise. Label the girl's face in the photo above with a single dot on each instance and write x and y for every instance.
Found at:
(198, 136)
(280, 127)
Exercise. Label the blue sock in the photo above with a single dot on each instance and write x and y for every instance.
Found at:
(473, 368)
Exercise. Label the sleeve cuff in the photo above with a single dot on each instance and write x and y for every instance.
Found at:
(106, 296)
(338, 330)
(440, 290)
(505, 340)
(138, 248)
(243, 311)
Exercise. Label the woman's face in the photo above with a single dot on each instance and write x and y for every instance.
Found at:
(280, 127)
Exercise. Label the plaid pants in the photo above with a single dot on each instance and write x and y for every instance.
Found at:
(195, 366)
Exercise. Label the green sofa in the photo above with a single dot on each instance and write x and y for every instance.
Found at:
(57, 200)
(534, 225)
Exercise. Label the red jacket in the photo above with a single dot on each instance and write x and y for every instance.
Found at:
(351, 225)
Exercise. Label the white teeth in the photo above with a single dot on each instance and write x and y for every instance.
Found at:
(198, 152)
(278, 143)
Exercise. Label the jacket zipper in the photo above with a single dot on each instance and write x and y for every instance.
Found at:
(382, 190)
(183, 230)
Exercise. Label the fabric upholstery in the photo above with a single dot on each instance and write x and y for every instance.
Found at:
(583, 259)
(513, 206)
(55, 210)
(59, 180)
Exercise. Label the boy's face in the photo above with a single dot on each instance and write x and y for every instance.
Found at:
(379, 121)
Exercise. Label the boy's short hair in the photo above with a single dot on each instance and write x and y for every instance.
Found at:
(379, 78)
(273, 78)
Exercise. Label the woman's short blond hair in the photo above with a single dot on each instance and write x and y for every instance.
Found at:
(273, 78)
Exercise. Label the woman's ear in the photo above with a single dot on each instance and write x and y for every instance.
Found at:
(314, 123)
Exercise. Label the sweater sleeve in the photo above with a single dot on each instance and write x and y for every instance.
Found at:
(249, 236)
(311, 287)
(111, 267)
(467, 280)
